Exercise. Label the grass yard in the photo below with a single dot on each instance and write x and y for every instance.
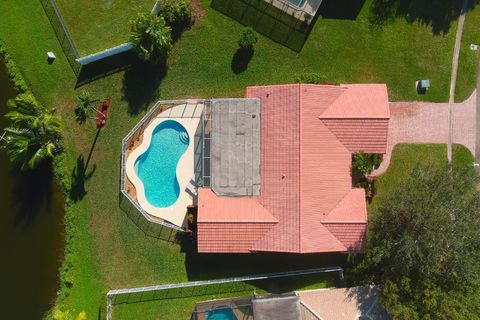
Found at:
(406, 156)
(99, 25)
(108, 251)
(469, 59)
(179, 306)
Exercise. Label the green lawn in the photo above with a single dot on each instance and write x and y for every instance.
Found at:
(181, 303)
(99, 25)
(468, 62)
(406, 157)
(108, 251)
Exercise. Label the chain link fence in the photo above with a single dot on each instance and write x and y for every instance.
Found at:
(63, 36)
(279, 20)
(150, 225)
(203, 288)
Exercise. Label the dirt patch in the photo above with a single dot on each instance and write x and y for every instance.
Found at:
(368, 73)
(198, 11)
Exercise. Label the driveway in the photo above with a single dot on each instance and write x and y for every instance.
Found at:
(427, 122)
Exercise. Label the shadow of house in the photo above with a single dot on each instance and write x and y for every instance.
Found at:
(341, 9)
(437, 14)
(201, 266)
(268, 20)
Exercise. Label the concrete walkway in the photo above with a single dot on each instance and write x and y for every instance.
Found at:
(427, 122)
(453, 79)
(477, 141)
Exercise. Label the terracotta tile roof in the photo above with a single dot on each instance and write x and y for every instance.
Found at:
(345, 303)
(352, 208)
(360, 101)
(351, 235)
(305, 170)
(212, 208)
(234, 237)
(360, 135)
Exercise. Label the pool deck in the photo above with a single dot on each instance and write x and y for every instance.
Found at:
(188, 115)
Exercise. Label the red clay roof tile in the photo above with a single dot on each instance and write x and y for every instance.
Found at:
(306, 146)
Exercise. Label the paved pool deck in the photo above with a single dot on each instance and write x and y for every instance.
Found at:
(188, 115)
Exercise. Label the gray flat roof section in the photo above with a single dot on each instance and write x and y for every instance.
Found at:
(236, 147)
(278, 308)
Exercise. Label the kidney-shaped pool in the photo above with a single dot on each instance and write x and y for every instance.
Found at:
(161, 168)
(157, 167)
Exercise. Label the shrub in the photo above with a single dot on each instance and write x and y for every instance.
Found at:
(151, 37)
(13, 71)
(310, 77)
(177, 13)
(248, 38)
(366, 162)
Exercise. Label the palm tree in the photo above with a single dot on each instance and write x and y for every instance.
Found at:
(151, 37)
(34, 133)
(84, 102)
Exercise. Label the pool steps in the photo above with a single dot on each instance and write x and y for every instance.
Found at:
(184, 137)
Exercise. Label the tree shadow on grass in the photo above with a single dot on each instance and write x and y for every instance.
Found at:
(341, 9)
(438, 14)
(141, 84)
(241, 59)
(32, 192)
(79, 176)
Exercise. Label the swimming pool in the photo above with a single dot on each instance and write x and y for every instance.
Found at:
(161, 167)
(157, 166)
(221, 313)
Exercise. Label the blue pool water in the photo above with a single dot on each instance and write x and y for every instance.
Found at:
(157, 167)
(221, 313)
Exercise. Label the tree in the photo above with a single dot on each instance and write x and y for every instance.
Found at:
(84, 102)
(151, 37)
(34, 132)
(423, 244)
(366, 162)
(177, 13)
(248, 39)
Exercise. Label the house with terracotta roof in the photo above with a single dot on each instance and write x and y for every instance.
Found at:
(280, 168)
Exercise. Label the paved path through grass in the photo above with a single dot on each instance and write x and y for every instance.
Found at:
(453, 79)
(477, 141)
(427, 122)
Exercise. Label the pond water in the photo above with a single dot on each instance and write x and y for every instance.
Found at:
(31, 232)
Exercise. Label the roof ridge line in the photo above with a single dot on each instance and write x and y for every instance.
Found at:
(336, 137)
(300, 211)
(340, 87)
(343, 198)
(344, 222)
